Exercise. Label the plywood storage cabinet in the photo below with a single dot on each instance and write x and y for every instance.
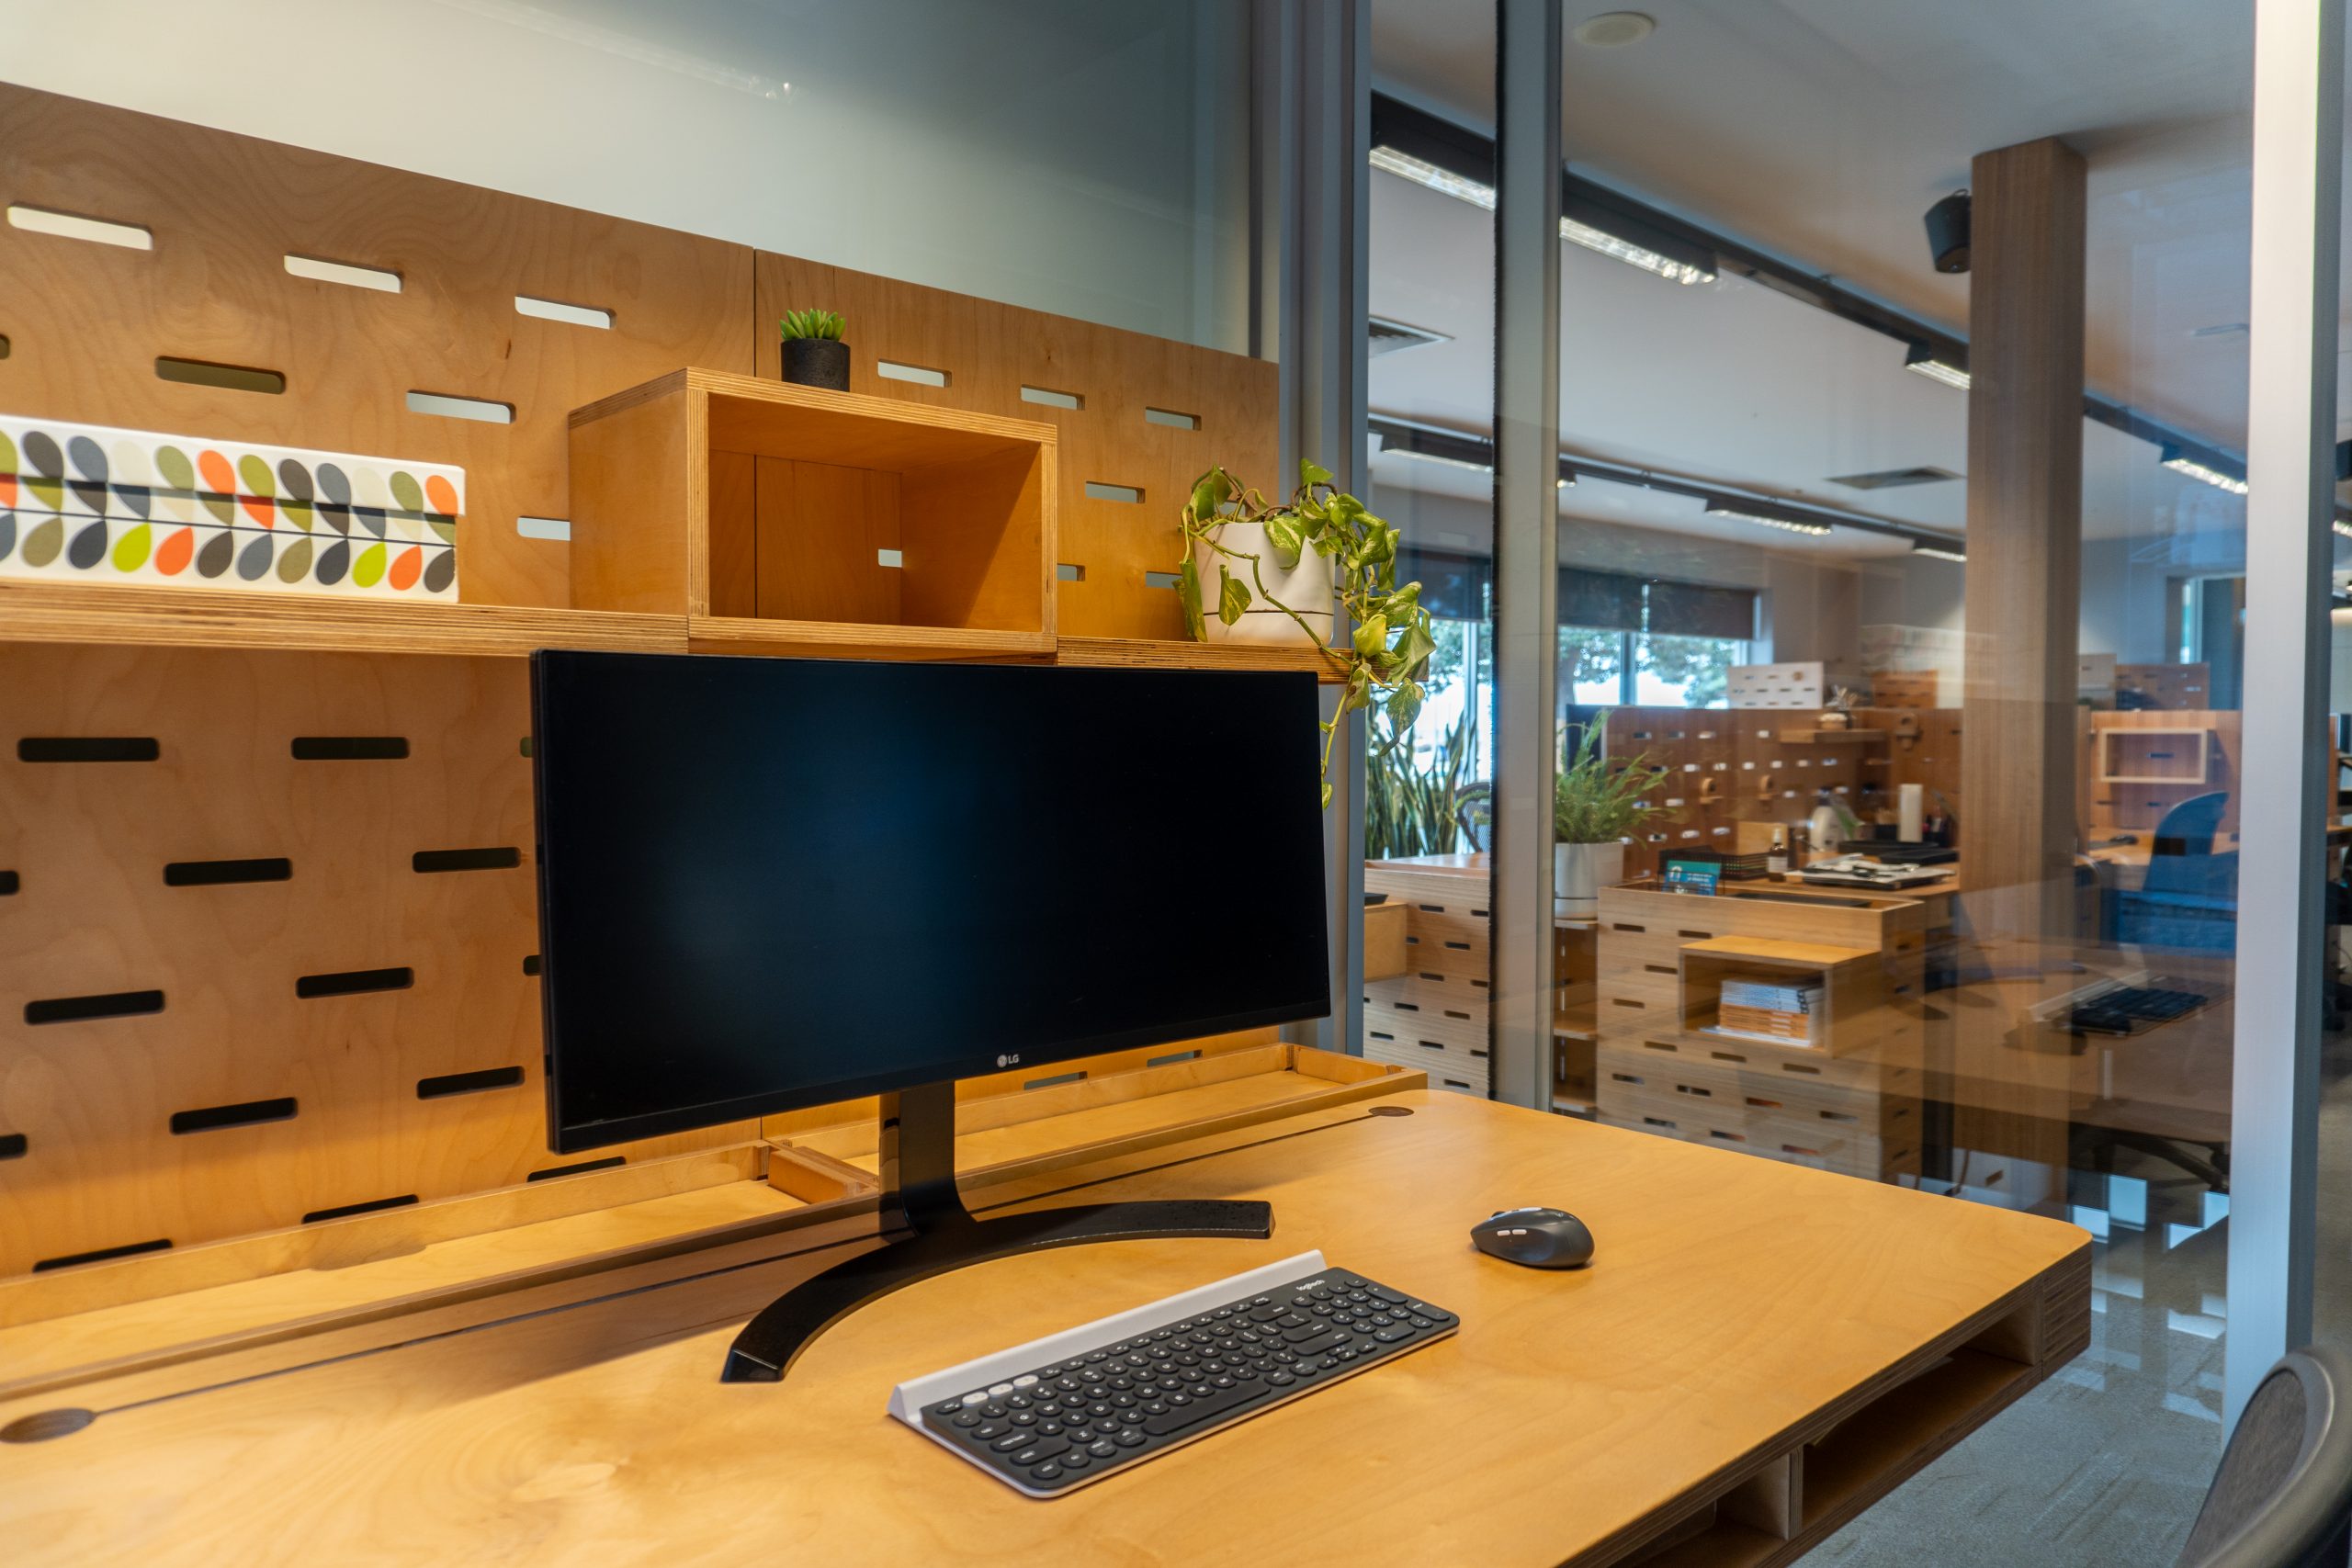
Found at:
(1847, 1101)
(781, 518)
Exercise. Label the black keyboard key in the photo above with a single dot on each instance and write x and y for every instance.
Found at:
(1318, 1343)
(988, 1432)
(1200, 1410)
(1390, 1336)
(1013, 1440)
(1046, 1471)
(1043, 1448)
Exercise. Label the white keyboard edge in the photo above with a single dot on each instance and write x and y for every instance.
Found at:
(907, 1398)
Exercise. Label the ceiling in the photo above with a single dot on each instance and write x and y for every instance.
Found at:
(1821, 130)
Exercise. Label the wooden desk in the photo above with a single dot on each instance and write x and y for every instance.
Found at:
(1760, 1353)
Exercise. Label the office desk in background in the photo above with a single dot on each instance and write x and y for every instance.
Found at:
(1759, 1353)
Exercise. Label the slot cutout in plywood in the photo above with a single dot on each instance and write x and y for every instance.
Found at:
(153, 1034)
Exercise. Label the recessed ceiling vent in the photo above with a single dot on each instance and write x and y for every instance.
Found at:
(1893, 479)
(1385, 336)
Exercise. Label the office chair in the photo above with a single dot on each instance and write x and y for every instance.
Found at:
(2282, 1497)
(2189, 899)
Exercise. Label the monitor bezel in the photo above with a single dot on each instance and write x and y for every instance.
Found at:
(566, 1138)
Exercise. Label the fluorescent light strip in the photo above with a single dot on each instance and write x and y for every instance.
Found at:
(1404, 165)
(1420, 456)
(1787, 525)
(2342, 527)
(2214, 477)
(1609, 245)
(1937, 552)
(1936, 371)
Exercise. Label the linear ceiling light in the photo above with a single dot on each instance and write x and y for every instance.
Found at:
(1742, 514)
(1937, 552)
(1445, 182)
(2342, 527)
(1608, 244)
(1451, 462)
(2178, 460)
(1421, 171)
(1922, 359)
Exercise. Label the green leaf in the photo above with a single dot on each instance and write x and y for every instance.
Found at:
(1417, 644)
(1373, 635)
(1404, 706)
(1204, 496)
(1188, 593)
(1326, 795)
(1313, 474)
(1232, 599)
(1288, 538)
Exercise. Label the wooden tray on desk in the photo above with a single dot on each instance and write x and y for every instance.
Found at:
(177, 1319)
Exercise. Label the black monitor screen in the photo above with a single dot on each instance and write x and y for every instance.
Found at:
(771, 883)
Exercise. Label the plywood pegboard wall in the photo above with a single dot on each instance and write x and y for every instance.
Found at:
(219, 215)
(266, 954)
(1727, 768)
(232, 998)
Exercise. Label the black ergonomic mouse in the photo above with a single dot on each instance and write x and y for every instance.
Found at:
(1540, 1238)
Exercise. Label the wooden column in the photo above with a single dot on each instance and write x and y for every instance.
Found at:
(2025, 495)
(2019, 741)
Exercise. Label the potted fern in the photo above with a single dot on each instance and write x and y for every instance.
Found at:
(1594, 806)
(814, 354)
(1278, 566)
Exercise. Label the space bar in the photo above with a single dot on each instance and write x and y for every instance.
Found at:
(1201, 1410)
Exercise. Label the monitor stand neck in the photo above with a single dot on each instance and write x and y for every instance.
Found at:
(936, 1232)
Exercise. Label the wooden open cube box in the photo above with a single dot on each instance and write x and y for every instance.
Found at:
(779, 517)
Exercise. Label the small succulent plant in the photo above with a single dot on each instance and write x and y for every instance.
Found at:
(827, 324)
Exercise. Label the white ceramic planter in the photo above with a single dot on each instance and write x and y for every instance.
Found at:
(1305, 588)
(1579, 873)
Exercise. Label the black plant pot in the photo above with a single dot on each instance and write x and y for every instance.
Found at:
(816, 362)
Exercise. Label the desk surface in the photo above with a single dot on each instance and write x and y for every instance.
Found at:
(1739, 1307)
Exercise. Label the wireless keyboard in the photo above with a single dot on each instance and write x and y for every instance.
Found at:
(1092, 1401)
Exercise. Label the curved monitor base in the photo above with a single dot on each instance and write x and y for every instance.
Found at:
(772, 1340)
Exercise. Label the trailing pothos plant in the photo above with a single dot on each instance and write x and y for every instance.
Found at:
(1381, 661)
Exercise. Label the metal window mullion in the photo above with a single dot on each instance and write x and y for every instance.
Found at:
(1527, 540)
(1311, 172)
(2291, 418)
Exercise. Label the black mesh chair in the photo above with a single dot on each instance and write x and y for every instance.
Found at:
(2282, 1497)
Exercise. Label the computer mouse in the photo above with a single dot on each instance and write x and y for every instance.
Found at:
(1539, 1238)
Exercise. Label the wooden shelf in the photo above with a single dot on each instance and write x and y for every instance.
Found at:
(1815, 736)
(789, 519)
(133, 614)
(2140, 750)
(1149, 653)
(849, 639)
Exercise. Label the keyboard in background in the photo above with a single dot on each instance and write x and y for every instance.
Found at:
(1056, 1413)
(2130, 1009)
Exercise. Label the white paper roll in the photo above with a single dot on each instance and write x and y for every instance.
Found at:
(1911, 806)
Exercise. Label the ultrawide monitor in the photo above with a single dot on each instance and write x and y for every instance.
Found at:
(772, 882)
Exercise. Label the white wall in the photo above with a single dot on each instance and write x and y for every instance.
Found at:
(1085, 159)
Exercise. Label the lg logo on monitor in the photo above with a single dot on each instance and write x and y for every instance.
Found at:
(1007, 1061)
